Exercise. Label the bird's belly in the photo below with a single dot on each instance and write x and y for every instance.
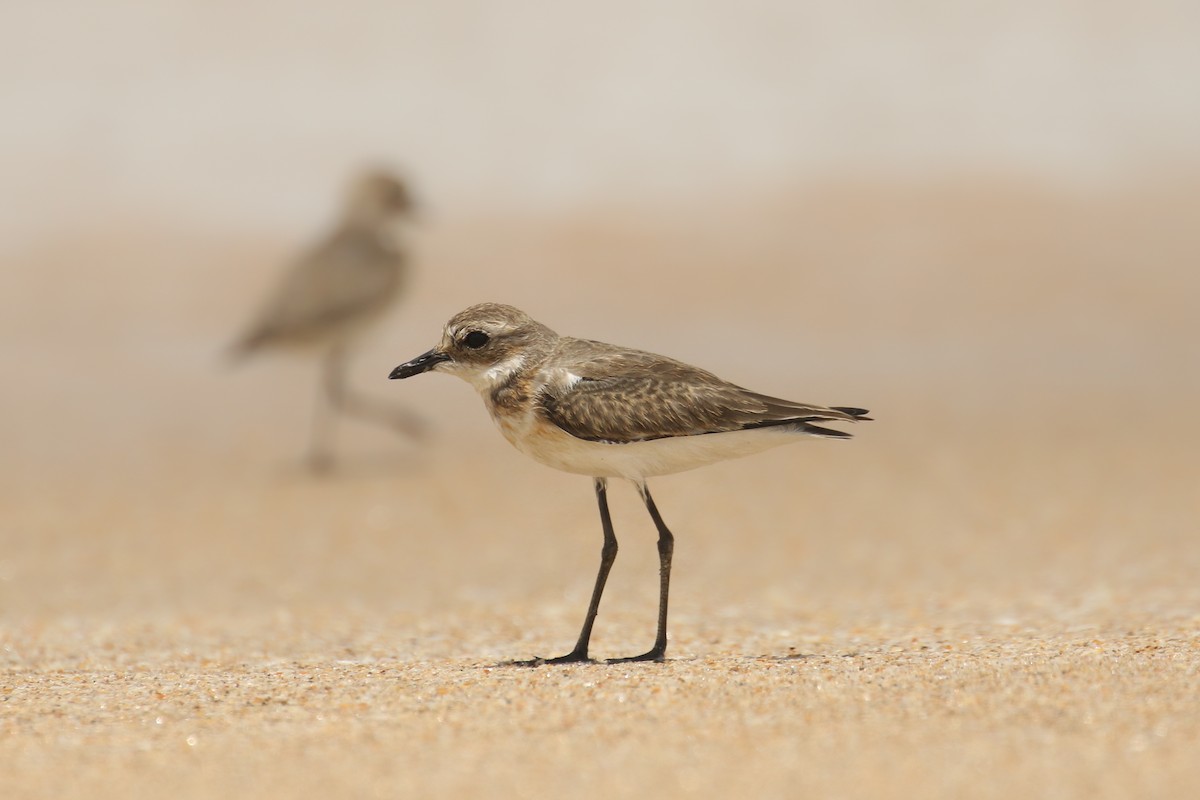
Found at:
(550, 445)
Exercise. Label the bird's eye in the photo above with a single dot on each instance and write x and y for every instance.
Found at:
(475, 339)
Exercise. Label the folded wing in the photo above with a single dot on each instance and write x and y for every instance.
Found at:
(620, 396)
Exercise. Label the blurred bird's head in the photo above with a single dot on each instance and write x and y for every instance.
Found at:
(378, 196)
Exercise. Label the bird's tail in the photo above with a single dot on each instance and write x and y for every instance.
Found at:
(856, 414)
(845, 414)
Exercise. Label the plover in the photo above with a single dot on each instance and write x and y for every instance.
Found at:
(332, 295)
(611, 412)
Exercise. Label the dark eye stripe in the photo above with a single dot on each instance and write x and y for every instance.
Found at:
(475, 339)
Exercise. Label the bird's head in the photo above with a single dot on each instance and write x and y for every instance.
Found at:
(484, 345)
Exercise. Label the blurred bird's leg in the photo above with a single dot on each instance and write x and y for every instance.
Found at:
(320, 446)
(342, 399)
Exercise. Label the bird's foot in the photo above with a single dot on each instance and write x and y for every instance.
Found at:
(570, 658)
(656, 654)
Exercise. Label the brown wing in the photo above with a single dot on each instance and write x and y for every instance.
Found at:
(628, 396)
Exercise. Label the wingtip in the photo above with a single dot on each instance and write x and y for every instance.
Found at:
(857, 414)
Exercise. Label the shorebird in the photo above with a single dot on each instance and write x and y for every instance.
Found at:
(595, 409)
(332, 295)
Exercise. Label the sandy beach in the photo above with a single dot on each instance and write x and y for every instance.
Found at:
(990, 591)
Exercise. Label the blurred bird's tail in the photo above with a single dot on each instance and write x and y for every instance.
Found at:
(238, 350)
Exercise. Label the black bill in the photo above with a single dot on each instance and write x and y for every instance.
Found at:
(422, 363)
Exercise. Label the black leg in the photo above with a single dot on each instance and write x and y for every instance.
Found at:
(608, 554)
(666, 548)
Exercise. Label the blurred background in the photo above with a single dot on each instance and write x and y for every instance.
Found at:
(980, 221)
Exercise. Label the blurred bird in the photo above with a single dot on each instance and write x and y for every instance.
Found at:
(335, 293)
